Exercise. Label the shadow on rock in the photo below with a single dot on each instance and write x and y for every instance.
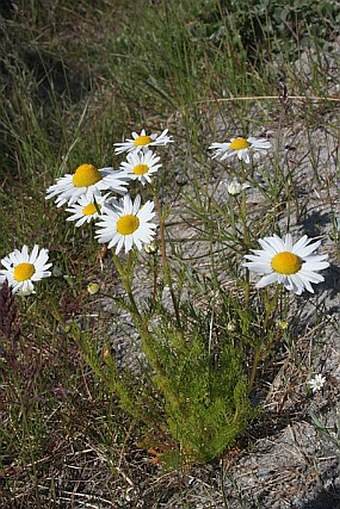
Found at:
(326, 499)
(315, 223)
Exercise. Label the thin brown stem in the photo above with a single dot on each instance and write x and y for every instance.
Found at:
(254, 368)
(267, 97)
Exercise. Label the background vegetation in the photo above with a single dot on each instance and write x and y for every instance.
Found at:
(75, 79)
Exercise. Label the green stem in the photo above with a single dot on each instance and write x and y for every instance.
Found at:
(138, 319)
(165, 263)
(254, 368)
(247, 290)
(243, 215)
(125, 275)
(270, 306)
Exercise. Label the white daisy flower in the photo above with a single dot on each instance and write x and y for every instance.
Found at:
(127, 225)
(23, 269)
(317, 383)
(87, 208)
(283, 262)
(142, 141)
(86, 180)
(140, 165)
(240, 147)
(234, 187)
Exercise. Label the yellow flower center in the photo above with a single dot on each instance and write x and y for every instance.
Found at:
(142, 140)
(90, 209)
(286, 263)
(86, 175)
(141, 169)
(127, 224)
(23, 271)
(239, 144)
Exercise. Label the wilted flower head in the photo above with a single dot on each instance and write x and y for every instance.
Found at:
(283, 324)
(151, 248)
(234, 187)
(93, 288)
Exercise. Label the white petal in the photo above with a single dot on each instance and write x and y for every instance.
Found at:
(307, 250)
(288, 242)
(260, 268)
(267, 280)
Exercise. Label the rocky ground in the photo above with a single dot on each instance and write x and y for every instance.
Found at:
(289, 458)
